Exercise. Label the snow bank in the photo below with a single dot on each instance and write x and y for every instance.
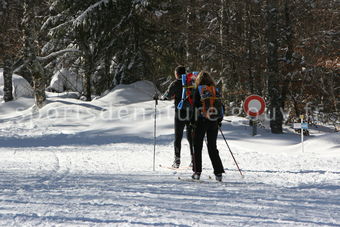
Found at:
(323, 143)
(21, 87)
(65, 80)
(15, 108)
(123, 94)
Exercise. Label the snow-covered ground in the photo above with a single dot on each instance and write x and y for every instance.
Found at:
(81, 163)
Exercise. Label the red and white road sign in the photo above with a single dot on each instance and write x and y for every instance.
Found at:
(254, 105)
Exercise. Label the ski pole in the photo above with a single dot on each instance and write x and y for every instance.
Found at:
(193, 130)
(231, 152)
(154, 131)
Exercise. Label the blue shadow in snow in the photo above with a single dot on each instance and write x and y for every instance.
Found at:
(86, 105)
(80, 139)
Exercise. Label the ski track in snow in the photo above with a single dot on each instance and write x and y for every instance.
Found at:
(65, 186)
(160, 200)
(99, 173)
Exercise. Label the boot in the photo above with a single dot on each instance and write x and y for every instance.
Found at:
(218, 177)
(196, 176)
(176, 163)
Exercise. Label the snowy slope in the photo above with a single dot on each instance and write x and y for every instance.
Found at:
(81, 163)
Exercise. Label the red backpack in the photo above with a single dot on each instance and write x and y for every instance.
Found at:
(188, 85)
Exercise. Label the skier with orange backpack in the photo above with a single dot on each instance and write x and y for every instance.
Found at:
(206, 119)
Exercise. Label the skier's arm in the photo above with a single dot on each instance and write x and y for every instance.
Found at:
(170, 93)
(220, 119)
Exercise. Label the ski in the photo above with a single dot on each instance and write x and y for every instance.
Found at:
(173, 168)
(192, 180)
(206, 181)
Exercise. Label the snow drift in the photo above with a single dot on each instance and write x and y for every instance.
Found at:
(65, 80)
(124, 94)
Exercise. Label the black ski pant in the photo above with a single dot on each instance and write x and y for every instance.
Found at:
(179, 128)
(210, 128)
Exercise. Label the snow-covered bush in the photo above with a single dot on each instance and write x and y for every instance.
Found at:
(65, 80)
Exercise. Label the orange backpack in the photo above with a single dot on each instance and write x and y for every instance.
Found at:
(212, 107)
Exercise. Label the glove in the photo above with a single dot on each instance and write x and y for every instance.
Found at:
(155, 97)
(220, 124)
(193, 125)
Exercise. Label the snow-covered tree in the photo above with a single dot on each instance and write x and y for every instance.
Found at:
(263, 47)
(110, 36)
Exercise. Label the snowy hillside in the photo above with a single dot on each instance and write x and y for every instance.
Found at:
(79, 163)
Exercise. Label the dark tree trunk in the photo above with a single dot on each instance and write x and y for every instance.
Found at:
(275, 99)
(39, 84)
(10, 41)
(84, 43)
(289, 54)
(8, 86)
(190, 37)
(250, 47)
(31, 50)
(87, 76)
(108, 79)
(87, 86)
(222, 18)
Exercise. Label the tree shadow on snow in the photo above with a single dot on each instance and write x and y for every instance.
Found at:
(88, 138)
